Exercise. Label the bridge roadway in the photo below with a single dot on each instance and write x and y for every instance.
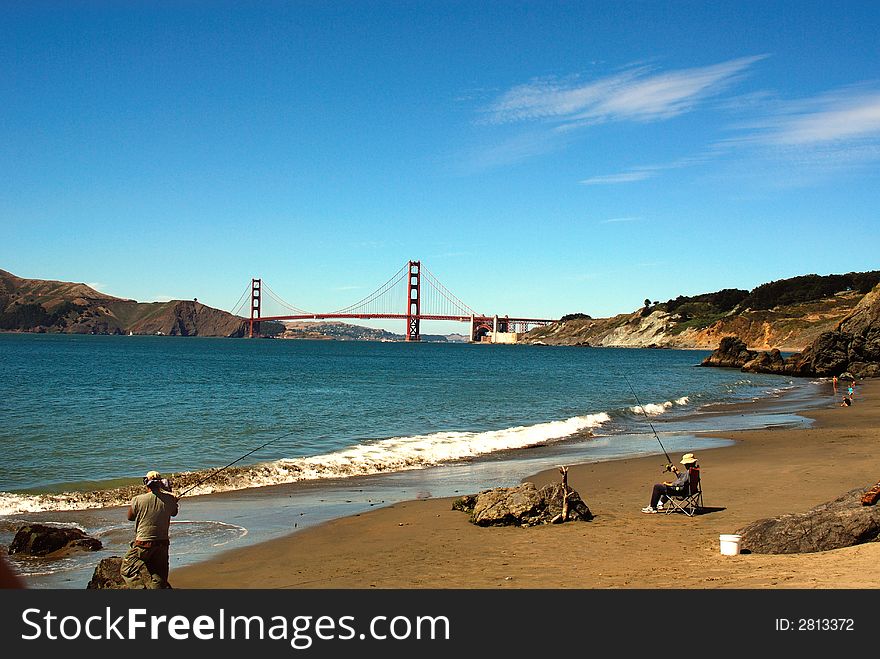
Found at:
(403, 316)
(480, 324)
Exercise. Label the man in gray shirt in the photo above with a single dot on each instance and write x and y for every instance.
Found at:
(145, 564)
(681, 485)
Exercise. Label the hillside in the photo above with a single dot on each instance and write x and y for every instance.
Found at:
(787, 315)
(45, 306)
(348, 332)
(37, 305)
(850, 350)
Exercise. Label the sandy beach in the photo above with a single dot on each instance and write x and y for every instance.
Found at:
(426, 544)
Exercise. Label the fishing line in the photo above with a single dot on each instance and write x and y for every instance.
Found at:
(214, 473)
(642, 407)
(287, 434)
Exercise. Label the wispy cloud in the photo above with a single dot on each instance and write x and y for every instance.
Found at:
(554, 108)
(623, 177)
(643, 172)
(638, 94)
(848, 115)
(514, 149)
(808, 139)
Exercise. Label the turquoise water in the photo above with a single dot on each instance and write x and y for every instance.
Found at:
(96, 408)
(349, 425)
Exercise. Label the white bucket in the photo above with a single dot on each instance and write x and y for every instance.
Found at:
(730, 544)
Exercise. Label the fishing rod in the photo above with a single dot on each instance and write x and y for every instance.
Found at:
(214, 473)
(668, 466)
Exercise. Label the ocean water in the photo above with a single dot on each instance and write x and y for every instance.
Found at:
(319, 429)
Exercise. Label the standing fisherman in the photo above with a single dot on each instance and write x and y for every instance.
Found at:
(151, 512)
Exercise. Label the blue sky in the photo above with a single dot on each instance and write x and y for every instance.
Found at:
(539, 158)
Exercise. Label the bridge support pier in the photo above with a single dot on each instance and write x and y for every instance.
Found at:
(256, 292)
(414, 301)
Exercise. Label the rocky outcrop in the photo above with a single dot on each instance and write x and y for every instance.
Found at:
(107, 575)
(854, 346)
(42, 540)
(787, 327)
(524, 505)
(731, 353)
(843, 522)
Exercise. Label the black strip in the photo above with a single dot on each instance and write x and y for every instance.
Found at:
(500, 622)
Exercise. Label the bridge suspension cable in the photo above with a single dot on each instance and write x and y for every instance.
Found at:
(296, 310)
(238, 307)
(406, 295)
(440, 301)
(372, 303)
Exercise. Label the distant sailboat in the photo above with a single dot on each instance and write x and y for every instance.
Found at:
(130, 333)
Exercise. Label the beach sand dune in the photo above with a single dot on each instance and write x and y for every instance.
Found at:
(426, 544)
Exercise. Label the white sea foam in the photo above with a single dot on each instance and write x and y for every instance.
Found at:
(220, 533)
(380, 456)
(653, 409)
(14, 504)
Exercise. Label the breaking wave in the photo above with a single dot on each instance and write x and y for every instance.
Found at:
(374, 457)
(653, 409)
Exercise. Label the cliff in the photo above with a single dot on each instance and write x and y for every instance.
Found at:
(37, 305)
(787, 327)
(853, 347)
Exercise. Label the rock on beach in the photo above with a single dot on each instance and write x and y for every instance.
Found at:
(43, 540)
(524, 505)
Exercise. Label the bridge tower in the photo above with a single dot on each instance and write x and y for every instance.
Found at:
(413, 301)
(256, 291)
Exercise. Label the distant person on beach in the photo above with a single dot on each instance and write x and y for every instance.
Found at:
(847, 401)
(835, 384)
(851, 389)
(151, 512)
(678, 486)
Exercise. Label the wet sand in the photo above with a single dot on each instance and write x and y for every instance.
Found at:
(426, 544)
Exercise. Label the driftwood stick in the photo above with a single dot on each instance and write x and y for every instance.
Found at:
(564, 471)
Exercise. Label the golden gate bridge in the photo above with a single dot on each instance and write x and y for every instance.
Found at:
(412, 294)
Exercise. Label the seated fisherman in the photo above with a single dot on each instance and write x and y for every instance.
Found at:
(679, 486)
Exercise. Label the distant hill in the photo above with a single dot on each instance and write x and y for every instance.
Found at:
(46, 306)
(787, 314)
(37, 305)
(346, 332)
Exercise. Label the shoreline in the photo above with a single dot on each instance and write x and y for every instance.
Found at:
(426, 544)
(217, 523)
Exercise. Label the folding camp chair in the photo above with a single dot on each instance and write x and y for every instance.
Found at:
(689, 502)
